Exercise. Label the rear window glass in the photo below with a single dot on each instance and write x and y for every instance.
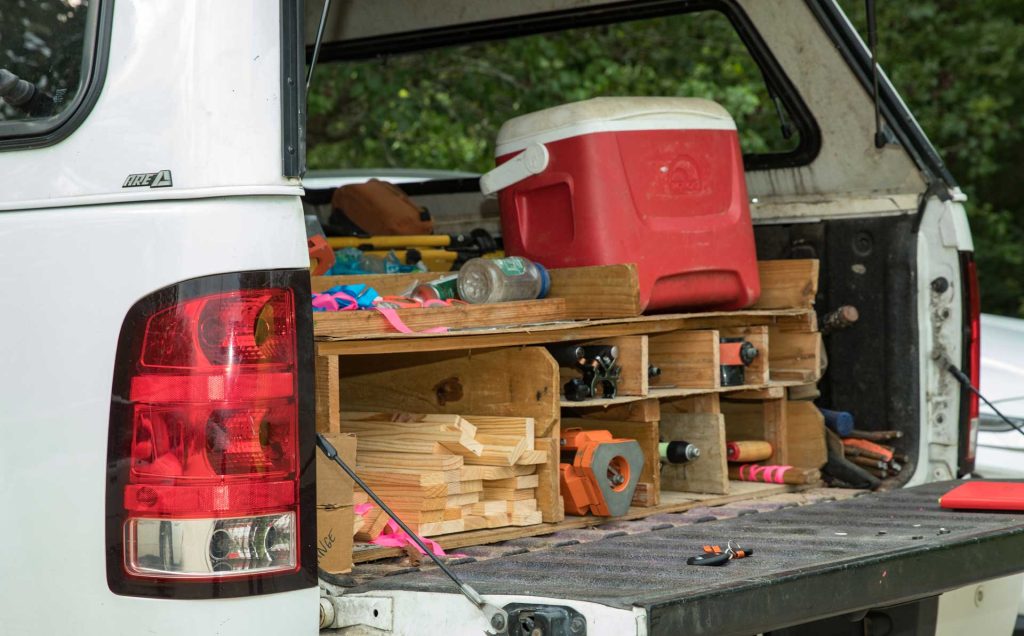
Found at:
(47, 44)
(442, 108)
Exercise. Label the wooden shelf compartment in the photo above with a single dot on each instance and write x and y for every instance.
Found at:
(519, 382)
(795, 429)
(633, 360)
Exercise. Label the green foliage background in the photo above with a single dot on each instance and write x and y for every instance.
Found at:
(41, 41)
(442, 108)
(958, 67)
(956, 64)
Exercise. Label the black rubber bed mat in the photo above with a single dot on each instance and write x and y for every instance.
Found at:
(809, 562)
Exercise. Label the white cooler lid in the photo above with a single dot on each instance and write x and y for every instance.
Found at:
(611, 114)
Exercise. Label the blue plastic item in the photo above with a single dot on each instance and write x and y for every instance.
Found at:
(840, 422)
(363, 295)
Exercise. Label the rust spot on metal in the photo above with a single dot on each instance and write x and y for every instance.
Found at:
(448, 390)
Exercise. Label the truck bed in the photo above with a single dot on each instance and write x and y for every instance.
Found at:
(810, 562)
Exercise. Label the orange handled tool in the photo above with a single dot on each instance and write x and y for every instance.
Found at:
(748, 451)
(321, 256)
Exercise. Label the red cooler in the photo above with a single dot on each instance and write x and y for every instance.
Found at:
(653, 181)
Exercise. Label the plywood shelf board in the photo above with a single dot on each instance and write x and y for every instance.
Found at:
(373, 323)
(805, 435)
(670, 502)
(564, 331)
(663, 393)
(603, 291)
(646, 410)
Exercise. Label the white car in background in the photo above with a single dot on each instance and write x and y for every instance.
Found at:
(1000, 448)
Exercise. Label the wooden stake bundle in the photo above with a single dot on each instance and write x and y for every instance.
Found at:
(437, 471)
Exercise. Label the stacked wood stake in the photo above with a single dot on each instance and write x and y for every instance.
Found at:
(865, 448)
(446, 473)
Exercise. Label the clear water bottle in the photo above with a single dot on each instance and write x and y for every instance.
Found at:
(498, 280)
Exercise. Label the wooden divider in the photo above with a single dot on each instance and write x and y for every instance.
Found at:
(787, 283)
(708, 473)
(328, 394)
(805, 435)
(795, 355)
(763, 420)
(633, 359)
(688, 359)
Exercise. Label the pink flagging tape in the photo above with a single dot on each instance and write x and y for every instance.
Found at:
(335, 301)
(394, 537)
(766, 474)
(393, 319)
(775, 474)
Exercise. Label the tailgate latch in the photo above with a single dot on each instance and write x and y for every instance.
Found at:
(544, 620)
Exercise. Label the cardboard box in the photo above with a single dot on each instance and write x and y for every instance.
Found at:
(333, 486)
(334, 539)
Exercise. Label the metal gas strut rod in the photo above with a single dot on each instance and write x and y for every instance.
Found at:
(496, 617)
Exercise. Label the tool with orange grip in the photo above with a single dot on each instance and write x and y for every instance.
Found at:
(715, 555)
(321, 255)
(599, 472)
(735, 355)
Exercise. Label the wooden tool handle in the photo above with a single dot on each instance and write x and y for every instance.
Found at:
(748, 451)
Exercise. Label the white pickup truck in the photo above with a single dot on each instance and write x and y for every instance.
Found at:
(156, 292)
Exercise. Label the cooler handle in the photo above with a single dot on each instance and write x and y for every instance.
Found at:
(533, 160)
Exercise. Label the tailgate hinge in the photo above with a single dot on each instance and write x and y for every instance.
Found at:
(348, 611)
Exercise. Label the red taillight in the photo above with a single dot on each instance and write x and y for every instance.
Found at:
(972, 360)
(207, 438)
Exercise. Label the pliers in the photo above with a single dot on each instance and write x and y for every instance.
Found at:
(715, 555)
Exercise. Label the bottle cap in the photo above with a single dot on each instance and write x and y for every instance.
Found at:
(545, 280)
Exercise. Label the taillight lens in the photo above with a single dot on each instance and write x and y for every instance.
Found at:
(211, 443)
(210, 547)
(971, 363)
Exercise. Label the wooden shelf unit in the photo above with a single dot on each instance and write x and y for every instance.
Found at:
(505, 370)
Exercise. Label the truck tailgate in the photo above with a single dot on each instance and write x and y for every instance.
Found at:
(810, 562)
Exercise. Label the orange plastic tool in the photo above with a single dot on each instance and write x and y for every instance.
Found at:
(321, 256)
(599, 472)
